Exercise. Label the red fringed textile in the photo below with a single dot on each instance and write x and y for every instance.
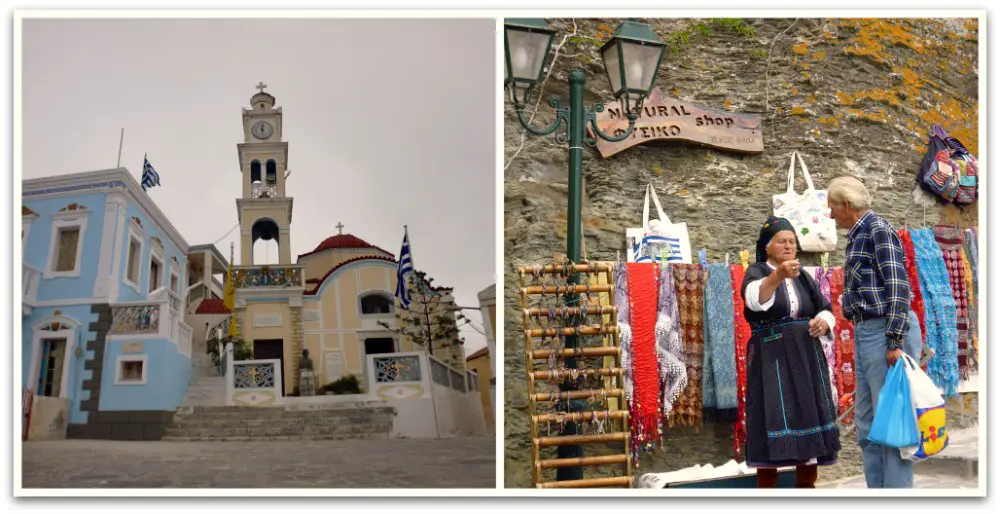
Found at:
(689, 284)
(646, 411)
(843, 343)
(917, 303)
(742, 336)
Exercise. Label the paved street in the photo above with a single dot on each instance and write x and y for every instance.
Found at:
(396, 463)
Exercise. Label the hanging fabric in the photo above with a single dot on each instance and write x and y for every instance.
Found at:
(939, 305)
(673, 372)
(742, 335)
(720, 346)
(645, 411)
(972, 308)
(917, 298)
(689, 284)
(822, 277)
(843, 345)
(949, 238)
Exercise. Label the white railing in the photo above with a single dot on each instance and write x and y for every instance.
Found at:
(258, 190)
(184, 338)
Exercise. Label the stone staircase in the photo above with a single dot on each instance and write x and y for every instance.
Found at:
(206, 388)
(370, 420)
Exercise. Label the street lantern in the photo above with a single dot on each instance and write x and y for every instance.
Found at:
(526, 44)
(632, 59)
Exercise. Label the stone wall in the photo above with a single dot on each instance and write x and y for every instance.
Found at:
(852, 96)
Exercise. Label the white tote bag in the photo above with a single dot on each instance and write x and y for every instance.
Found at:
(658, 239)
(929, 410)
(808, 212)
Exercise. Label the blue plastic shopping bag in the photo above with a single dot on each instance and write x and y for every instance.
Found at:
(895, 423)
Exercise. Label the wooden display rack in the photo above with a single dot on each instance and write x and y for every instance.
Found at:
(547, 320)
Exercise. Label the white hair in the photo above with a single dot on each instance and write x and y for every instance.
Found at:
(851, 190)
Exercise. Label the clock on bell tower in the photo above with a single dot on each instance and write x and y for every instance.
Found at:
(265, 212)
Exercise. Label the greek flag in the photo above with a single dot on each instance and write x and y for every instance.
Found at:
(150, 178)
(405, 267)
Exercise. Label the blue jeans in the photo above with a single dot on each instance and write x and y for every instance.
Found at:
(884, 468)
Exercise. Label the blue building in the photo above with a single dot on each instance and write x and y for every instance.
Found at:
(105, 350)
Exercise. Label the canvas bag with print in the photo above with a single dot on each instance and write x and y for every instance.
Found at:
(658, 239)
(808, 212)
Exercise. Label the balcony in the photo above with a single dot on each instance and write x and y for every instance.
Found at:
(160, 316)
(259, 190)
(270, 276)
(30, 276)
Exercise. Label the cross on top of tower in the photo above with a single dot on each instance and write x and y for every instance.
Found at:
(260, 86)
(340, 228)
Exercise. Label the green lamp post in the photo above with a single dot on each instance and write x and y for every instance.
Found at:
(632, 60)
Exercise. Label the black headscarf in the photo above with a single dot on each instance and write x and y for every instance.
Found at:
(772, 226)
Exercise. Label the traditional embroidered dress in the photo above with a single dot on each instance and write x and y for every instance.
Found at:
(939, 306)
(720, 346)
(950, 241)
(791, 417)
(843, 347)
(742, 332)
(689, 284)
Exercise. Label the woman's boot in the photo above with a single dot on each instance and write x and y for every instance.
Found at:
(805, 477)
(767, 478)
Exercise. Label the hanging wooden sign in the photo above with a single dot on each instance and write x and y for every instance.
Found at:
(666, 118)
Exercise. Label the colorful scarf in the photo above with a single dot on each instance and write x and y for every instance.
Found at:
(973, 311)
(917, 301)
(950, 241)
(822, 278)
(645, 410)
(971, 245)
(689, 283)
(673, 372)
(843, 345)
(742, 331)
(939, 305)
(719, 398)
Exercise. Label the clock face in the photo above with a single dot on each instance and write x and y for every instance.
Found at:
(262, 130)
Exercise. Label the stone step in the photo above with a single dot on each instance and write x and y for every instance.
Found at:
(295, 418)
(344, 429)
(282, 411)
(241, 439)
(185, 422)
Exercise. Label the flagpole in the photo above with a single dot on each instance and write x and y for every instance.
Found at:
(120, 141)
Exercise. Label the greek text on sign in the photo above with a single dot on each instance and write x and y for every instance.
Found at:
(267, 320)
(665, 118)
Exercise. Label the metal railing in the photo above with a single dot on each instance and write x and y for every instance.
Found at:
(269, 276)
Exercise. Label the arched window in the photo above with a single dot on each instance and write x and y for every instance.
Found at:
(376, 303)
(255, 171)
(272, 172)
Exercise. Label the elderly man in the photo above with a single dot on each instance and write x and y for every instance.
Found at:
(877, 299)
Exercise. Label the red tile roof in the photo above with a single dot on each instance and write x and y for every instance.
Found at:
(342, 241)
(345, 263)
(212, 306)
(25, 211)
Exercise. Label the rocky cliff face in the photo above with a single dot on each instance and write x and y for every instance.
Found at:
(853, 96)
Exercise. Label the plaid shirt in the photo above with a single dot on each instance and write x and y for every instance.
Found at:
(875, 280)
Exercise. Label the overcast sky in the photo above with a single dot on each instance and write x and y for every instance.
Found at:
(388, 122)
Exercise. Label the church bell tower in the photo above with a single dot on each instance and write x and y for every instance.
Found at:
(265, 212)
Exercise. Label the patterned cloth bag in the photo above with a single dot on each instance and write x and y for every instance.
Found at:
(808, 212)
(657, 239)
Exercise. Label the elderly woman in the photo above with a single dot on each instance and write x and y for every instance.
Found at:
(790, 416)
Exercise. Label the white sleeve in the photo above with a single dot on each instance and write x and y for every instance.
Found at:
(827, 316)
(753, 295)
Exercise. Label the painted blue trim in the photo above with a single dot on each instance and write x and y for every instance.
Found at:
(801, 432)
(335, 274)
(781, 393)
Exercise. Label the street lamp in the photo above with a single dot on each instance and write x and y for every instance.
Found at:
(632, 60)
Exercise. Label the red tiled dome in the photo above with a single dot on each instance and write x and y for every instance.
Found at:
(342, 241)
